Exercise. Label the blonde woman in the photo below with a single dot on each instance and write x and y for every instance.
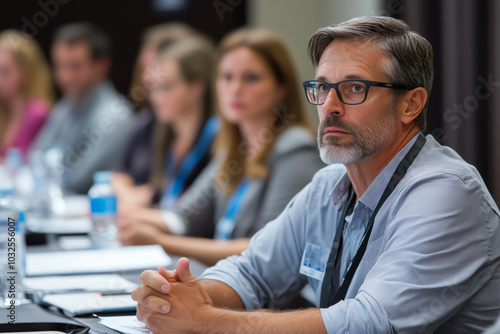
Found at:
(266, 152)
(26, 90)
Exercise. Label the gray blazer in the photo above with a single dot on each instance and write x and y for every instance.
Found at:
(91, 133)
(292, 162)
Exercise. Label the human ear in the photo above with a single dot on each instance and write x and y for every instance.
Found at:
(415, 102)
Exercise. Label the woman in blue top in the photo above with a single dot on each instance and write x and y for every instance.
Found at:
(265, 153)
(178, 87)
(132, 175)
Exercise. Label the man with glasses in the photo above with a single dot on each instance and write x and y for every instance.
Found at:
(399, 234)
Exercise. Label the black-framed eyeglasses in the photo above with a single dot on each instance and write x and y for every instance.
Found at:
(349, 91)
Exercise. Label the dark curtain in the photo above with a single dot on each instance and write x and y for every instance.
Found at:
(464, 110)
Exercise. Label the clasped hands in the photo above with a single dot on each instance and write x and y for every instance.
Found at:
(172, 301)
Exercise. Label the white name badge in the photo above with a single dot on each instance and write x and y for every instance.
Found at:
(314, 261)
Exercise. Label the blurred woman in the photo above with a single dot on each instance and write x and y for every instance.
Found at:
(180, 97)
(154, 39)
(265, 153)
(26, 90)
(132, 179)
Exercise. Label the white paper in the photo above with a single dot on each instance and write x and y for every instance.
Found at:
(96, 260)
(74, 242)
(86, 303)
(125, 324)
(59, 225)
(97, 283)
(74, 218)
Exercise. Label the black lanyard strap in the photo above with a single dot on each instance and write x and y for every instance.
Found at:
(332, 259)
(398, 175)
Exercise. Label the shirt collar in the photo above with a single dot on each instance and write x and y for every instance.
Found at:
(85, 103)
(340, 192)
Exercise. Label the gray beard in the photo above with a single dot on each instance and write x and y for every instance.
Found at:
(367, 141)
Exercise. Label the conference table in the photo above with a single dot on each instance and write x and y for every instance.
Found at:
(50, 241)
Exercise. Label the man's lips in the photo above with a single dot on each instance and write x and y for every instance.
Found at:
(334, 131)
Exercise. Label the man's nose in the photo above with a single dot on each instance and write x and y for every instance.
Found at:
(333, 105)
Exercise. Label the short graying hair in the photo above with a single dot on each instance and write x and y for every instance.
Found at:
(410, 56)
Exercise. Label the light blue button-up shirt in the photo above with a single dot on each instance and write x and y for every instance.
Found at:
(432, 263)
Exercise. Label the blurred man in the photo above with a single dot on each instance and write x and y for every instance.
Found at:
(90, 123)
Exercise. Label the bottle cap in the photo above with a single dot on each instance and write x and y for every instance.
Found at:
(102, 177)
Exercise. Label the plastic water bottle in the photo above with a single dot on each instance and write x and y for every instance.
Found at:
(55, 180)
(103, 211)
(14, 161)
(12, 250)
(40, 201)
(6, 181)
(5, 212)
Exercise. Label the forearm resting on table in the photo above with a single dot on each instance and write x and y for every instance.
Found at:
(121, 181)
(130, 194)
(262, 321)
(138, 216)
(226, 320)
(222, 295)
(208, 251)
(154, 217)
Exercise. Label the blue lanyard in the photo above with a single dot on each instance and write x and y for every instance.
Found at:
(175, 188)
(225, 226)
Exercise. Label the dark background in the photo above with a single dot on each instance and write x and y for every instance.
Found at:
(123, 20)
(464, 113)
